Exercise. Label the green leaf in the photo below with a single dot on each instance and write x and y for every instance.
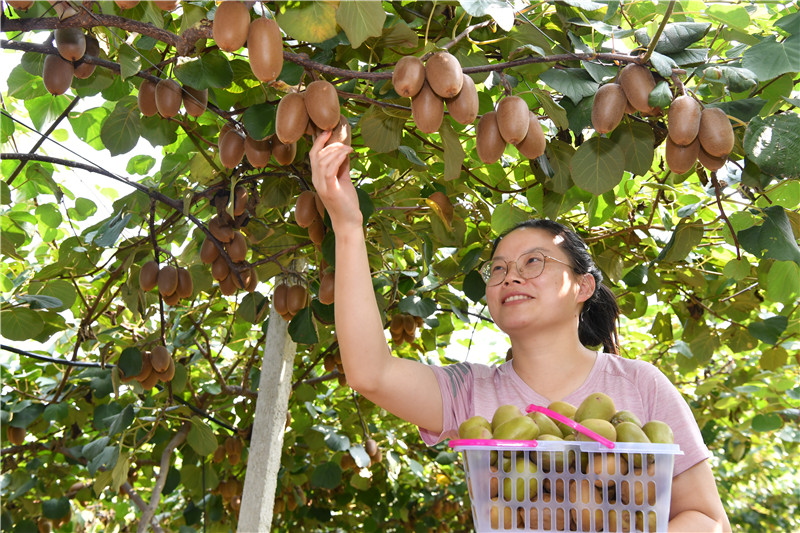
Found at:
(38, 301)
(574, 83)
(732, 15)
(49, 215)
(328, 475)
(773, 358)
(663, 65)
(21, 84)
(140, 164)
(737, 269)
(20, 324)
(130, 61)
(380, 132)
(259, 120)
(120, 421)
(773, 143)
(399, 35)
(454, 155)
(312, 22)
(121, 129)
(769, 59)
(211, 71)
(789, 23)
(130, 361)
(360, 455)
(637, 143)
(56, 412)
(661, 96)
(768, 330)
(360, 20)
(737, 79)
(302, 329)
(44, 109)
(770, 422)
(502, 12)
(676, 36)
(87, 126)
(110, 231)
(253, 307)
(598, 165)
(411, 155)
(57, 508)
(526, 50)
(159, 132)
(683, 240)
(554, 111)
(25, 416)
(474, 286)
(505, 216)
(201, 437)
(773, 239)
(414, 305)
(783, 282)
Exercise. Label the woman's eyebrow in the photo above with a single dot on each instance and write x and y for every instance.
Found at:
(536, 249)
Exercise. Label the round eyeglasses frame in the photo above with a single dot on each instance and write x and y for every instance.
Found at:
(493, 277)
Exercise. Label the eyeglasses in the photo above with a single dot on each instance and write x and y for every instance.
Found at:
(529, 266)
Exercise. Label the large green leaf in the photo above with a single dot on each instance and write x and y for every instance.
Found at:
(598, 165)
(201, 437)
(454, 155)
(313, 21)
(769, 58)
(380, 132)
(328, 475)
(502, 12)
(783, 282)
(87, 126)
(676, 36)
(773, 143)
(130, 61)
(732, 15)
(683, 240)
(575, 83)
(212, 70)
(20, 324)
(259, 120)
(121, 129)
(636, 141)
(773, 239)
(302, 327)
(505, 216)
(360, 20)
(43, 109)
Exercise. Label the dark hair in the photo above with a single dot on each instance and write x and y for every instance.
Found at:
(598, 321)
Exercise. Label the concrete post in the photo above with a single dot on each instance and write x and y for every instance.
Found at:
(266, 443)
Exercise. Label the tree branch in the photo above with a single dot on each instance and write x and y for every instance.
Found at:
(659, 31)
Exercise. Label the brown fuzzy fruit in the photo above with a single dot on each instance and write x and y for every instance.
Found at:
(464, 107)
(341, 133)
(716, 133)
(283, 153)
(326, 288)
(147, 368)
(239, 200)
(322, 104)
(226, 286)
(15, 435)
(244, 274)
(513, 119)
(222, 232)
(444, 204)
(683, 120)
(166, 5)
(159, 358)
(127, 4)
(167, 280)
(488, 141)
(296, 298)
(257, 152)
(291, 118)
(57, 74)
(709, 161)
(427, 109)
(316, 231)
(148, 276)
(195, 101)
(252, 281)
(44, 525)
(409, 326)
(231, 149)
(443, 73)
(147, 98)
(534, 143)
(371, 447)
(237, 248)
(84, 70)
(185, 284)
(220, 268)
(681, 159)
(637, 82)
(167, 374)
(608, 107)
(279, 298)
(20, 5)
(168, 98)
(150, 381)
(70, 42)
(265, 49)
(231, 24)
(208, 251)
(172, 299)
(396, 324)
(305, 209)
(408, 76)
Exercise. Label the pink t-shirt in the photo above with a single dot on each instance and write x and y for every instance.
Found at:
(473, 389)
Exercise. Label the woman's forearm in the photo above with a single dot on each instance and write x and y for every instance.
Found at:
(695, 521)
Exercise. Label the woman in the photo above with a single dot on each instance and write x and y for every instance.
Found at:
(544, 291)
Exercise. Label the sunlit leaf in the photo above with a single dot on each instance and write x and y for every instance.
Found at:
(360, 20)
(597, 165)
(313, 21)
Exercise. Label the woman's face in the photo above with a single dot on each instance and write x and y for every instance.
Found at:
(548, 300)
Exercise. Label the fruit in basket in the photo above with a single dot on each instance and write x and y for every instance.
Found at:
(658, 432)
(547, 425)
(597, 405)
(504, 413)
(625, 416)
(517, 428)
(604, 428)
(521, 466)
(566, 409)
(477, 425)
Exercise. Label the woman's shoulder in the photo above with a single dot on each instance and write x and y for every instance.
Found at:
(635, 371)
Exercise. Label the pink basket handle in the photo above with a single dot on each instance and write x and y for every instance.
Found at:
(571, 423)
(496, 443)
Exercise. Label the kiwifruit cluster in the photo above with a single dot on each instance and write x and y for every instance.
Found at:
(289, 299)
(333, 361)
(173, 283)
(231, 492)
(308, 213)
(15, 435)
(166, 96)
(58, 70)
(310, 113)
(235, 244)
(433, 83)
(157, 365)
(629, 94)
(511, 123)
(403, 328)
(697, 134)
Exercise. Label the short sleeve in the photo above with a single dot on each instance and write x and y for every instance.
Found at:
(456, 383)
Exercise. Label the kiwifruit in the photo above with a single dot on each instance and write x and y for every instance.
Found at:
(488, 141)
(326, 288)
(159, 358)
(279, 296)
(147, 367)
(291, 118)
(377, 458)
(20, 5)
(167, 280)
(513, 119)
(231, 24)
(237, 248)
(445, 206)
(534, 143)
(283, 153)
(305, 209)
(715, 133)
(231, 149)
(150, 381)
(148, 276)
(208, 251)
(168, 98)
(427, 109)
(683, 120)
(312, 130)
(220, 268)
(84, 70)
(409, 326)
(296, 298)
(226, 286)
(147, 98)
(219, 455)
(329, 363)
(443, 73)
(396, 324)
(222, 232)
(265, 49)
(408, 76)
(320, 205)
(681, 159)
(608, 107)
(316, 231)
(233, 445)
(185, 284)
(166, 5)
(127, 4)
(637, 82)
(464, 107)
(15, 435)
(239, 200)
(709, 161)
(70, 42)
(257, 152)
(44, 525)
(252, 281)
(244, 274)
(167, 374)
(57, 74)
(341, 133)
(195, 101)
(322, 104)
(371, 447)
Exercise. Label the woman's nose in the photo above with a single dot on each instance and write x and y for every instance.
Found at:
(512, 274)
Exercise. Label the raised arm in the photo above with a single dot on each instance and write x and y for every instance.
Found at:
(405, 388)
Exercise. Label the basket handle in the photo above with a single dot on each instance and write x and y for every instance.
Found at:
(571, 423)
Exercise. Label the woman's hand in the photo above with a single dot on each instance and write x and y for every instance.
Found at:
(330, 173)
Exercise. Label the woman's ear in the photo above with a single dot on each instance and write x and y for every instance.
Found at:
(587, 287)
